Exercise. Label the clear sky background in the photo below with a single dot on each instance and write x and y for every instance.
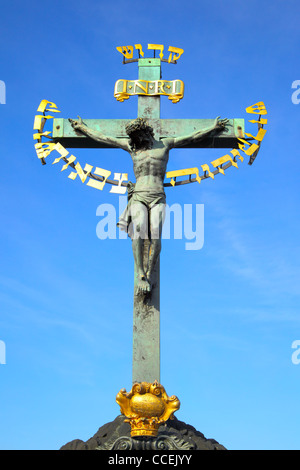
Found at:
(230, 311)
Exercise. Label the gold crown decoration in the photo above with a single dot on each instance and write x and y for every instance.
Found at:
(146, 407)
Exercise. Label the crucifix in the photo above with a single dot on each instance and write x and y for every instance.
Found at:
(148, 139)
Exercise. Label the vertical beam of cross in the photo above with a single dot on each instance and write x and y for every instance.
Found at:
(149, 106)
(146, 309)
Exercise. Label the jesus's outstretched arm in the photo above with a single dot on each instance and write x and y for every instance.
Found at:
(118, 142)
(217, 126)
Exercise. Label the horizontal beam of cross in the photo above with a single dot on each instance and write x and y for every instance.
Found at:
(64, 133)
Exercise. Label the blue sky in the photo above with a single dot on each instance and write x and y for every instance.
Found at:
(230, 311)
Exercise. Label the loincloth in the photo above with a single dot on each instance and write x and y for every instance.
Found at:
(147, 197)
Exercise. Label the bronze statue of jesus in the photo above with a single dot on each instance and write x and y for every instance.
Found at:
(144, 216)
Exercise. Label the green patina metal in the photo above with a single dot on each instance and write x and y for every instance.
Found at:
(64, 133)
(146, 310)
(149, 106)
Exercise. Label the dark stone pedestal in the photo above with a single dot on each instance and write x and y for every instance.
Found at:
(174, 434)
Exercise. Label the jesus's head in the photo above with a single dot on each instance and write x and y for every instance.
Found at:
(140, 134)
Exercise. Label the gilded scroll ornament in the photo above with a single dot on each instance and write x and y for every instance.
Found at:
(174, 89)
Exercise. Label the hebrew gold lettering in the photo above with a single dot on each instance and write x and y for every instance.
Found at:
(139, 48)
(43, 149)
(206, 168)
(235, 153)
(120, 177)
(250, 150)
(126, 51)
(99, 184)
(220, 169)
(257, 108)
(220, 161)
(38, 121)
(83, 174)
(188, 171)
(259, 136)
(39, 135)
(177, 51)
(62, 151)
(70, 159)
(43, 104)
(261, 121)
(157, 47)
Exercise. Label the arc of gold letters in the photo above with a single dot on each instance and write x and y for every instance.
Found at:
(100, 176)
(43, 149)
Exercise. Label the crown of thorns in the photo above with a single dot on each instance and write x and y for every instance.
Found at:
(139, 124)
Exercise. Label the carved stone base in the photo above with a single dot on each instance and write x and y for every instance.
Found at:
(174, 434)
(162, 442)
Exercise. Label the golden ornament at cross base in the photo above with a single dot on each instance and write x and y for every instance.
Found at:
(146, 407)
